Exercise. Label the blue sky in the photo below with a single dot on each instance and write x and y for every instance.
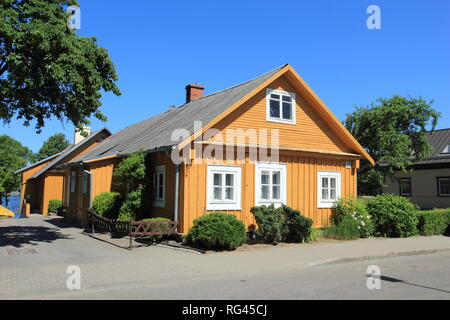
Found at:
(160, 46)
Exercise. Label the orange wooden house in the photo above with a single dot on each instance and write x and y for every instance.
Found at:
(41, 182)
(317, 158)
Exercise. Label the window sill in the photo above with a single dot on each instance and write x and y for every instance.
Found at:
(280, 121)
(326, 205)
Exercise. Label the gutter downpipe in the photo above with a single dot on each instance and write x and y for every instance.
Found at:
(177, 191)
(90, 186)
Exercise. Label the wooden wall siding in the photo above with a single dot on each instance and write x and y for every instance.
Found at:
(102, 172)
(157, 159)
(53, 186)
(310, 132)
(301, 188)
(31, 187)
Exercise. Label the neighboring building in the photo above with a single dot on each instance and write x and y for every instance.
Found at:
(318, 157)
(41, 182)
(428, 181)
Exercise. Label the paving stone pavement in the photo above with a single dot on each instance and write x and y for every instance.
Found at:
(36, 252)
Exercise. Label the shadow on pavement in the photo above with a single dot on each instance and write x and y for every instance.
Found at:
(17, 236)
(395, 280)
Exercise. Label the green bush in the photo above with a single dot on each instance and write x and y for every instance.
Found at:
(270, 224)
(316, 234)
(131, 207)
(54, 205)
(434, 222)
(296, 228)
(357, 210)
(393, 216)
(106, 204)
(346, 229)
(217, 231)
(281, 224)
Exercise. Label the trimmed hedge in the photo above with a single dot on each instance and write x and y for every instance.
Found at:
(54, 205)
(107, 204)
(217, 231)
(393, 216)
(434, 222)
(282, 224)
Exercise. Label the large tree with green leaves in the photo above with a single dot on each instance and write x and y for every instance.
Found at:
(13, 156)
(46, 69)
(53, 145)
(394, 132)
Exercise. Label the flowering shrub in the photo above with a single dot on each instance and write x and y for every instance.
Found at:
(355, 209)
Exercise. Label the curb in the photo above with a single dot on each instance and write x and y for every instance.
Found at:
(333, 261)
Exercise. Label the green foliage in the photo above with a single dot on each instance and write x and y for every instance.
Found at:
(13, 156)
(393, 216)
(53, 145)
(48, 70)
(131, 207)
(270, 224)
(106, 204)
(434, 222)
(217, 231)
(54, 205)
(356, 209)
(391, 130)
(131, 178)
(316, 234)
(346, 229)
(281, 224)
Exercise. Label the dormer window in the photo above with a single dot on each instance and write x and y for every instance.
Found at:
(446, 149)
(280, 106)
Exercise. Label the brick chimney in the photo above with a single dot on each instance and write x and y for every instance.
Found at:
(79, 137)
(193, 91)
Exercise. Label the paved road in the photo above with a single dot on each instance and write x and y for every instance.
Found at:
(35, 253)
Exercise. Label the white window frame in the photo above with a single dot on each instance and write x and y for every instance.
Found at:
(441, 194)
(211, 203)
(328, 203)
(293, 109)
(159, 202)
(263, 166)
(73, 177)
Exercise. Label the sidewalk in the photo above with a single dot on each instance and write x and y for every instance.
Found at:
(41, 271)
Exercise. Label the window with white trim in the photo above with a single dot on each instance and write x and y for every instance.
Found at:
(270, 184)
(159, 186)
(443, 186)
(329, 188)
(224, 188)
(280, 106)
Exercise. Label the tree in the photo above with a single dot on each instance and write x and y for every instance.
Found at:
(13, 156)
(53, 145)
(46, 69)
(394, 132)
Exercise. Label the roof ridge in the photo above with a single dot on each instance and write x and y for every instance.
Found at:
(232, 87)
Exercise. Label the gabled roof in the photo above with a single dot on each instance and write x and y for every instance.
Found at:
(31, 166)
(69, 151)
(439, 140)
(155, 133)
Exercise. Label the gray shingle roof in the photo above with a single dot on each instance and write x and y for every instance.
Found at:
(439, 139)
(155, 132)
(68, 151)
